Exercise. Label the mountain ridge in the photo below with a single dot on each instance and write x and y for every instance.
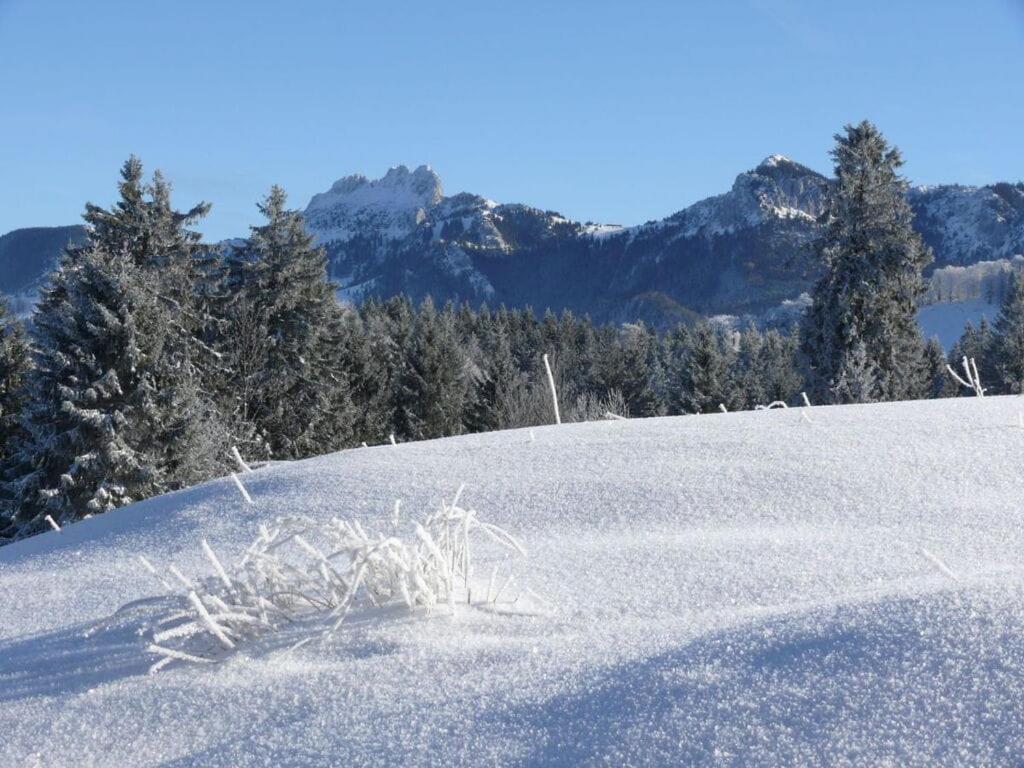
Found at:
(743, 251)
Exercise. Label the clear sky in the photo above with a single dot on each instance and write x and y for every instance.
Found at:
(616, 112)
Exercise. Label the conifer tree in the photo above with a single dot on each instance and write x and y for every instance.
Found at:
(977, 344)
(293, 392)
(116, 413)
(500, 385)
(860, 336)
(433, 389)
(629, 365)
(940, 384)
(700, 380)
(779, 373)
(15, 364)
(748, 376)
(1008, 342)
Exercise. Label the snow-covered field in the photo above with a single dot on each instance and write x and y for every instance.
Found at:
(737, 589)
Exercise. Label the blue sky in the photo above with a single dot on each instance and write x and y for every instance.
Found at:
(617, 112)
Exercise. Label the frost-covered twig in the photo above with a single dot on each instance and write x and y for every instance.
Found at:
(241, 488)
(239, 460)
(614, 416)
(971, 380)
(806, 399)
(722, 408)
(773, 404)
(554, 393)
(297, 569)
(939, 565)
(53, 523)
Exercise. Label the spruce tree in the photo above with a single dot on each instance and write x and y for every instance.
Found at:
(779, 373)
(748, 376)
(433, 388)
(630, 366)
(860, 336)
(116, 413)
(1008, 342)
(940, 383)
(281, 334)
(700, 380)
(15, 364)
(500, 385)
(977, 344)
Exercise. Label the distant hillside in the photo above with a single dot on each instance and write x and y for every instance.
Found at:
(742, 252)
(27, 255)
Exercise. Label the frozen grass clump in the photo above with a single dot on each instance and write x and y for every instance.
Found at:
(301, 569)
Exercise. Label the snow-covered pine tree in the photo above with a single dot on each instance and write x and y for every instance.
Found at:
(433, 388)
(116, 414)
(941, 384)
(748, 375)
(699, 380)
(869, 293)
(779, 373)
(87, 423)
(281, 335)
(1008, 342)
(369, 352)
(500, 386)
(629, 364)
(15, 363)
(857, 381)
(977, 344)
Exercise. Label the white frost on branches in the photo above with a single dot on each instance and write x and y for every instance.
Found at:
(970, 379)
(300, 569)
(554, 392)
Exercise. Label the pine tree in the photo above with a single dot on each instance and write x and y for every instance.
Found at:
(434, 387)
(779, 373)
(116, 413)
(15, 364)
(700, 377)
(977, 344)
(862, 322)
(500, 385)
(629, 365)
(941, 384)
(857, 381)
(282, 333)
(1008, 351)
(748, 375)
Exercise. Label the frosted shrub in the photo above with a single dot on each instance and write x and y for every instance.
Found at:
(592, 407)
(299, 569)
(970, 380)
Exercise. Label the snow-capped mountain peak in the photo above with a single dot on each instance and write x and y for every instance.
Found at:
(392, 205)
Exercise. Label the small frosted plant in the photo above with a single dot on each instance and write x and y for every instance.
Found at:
(301, 569)
(971, 380)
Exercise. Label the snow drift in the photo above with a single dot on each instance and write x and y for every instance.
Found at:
(752, 588)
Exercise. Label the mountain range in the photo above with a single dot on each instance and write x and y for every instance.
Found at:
(743, 251)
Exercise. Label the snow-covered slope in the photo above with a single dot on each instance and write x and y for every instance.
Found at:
(739, 589)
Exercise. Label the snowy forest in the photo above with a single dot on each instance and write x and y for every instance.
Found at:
(151, 356)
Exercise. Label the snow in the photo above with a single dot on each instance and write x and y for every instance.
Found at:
(838, 585)
(600, 231)
(391, 206)
(947, 321)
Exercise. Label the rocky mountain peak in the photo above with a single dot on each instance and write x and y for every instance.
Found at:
(391, 205)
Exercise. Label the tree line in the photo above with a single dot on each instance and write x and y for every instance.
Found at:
(150, 354)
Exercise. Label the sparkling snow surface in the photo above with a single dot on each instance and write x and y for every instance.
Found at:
(736, 589)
